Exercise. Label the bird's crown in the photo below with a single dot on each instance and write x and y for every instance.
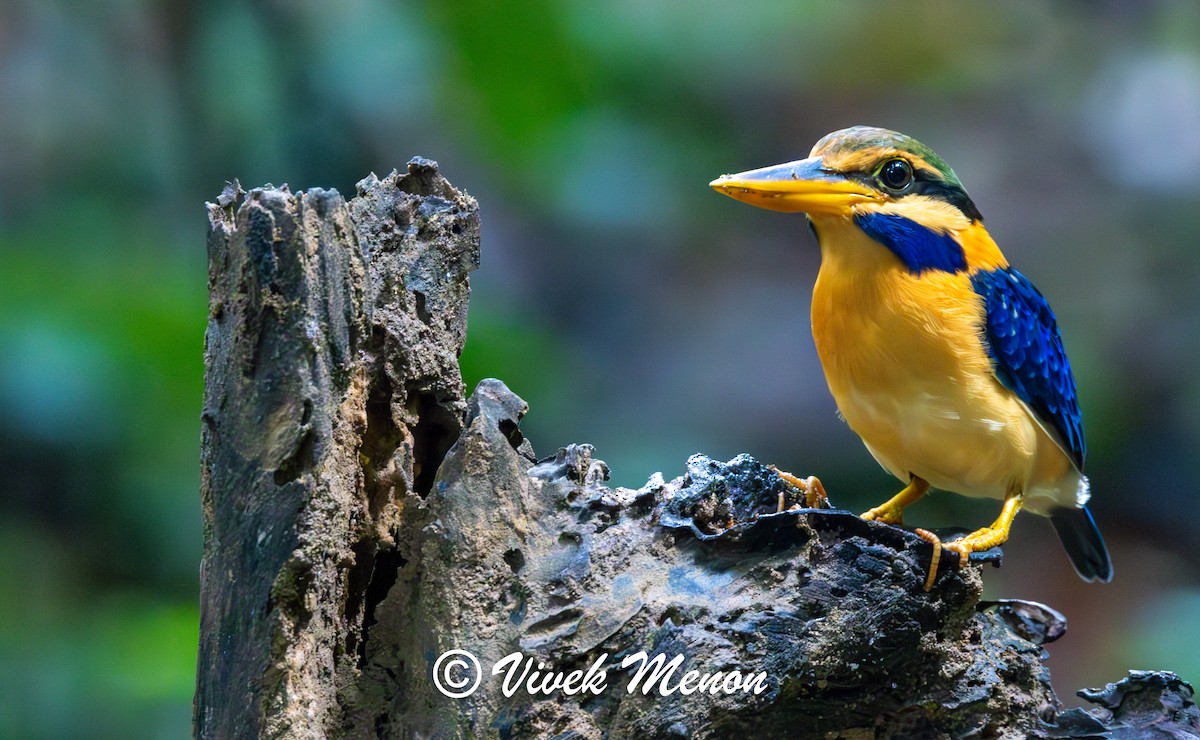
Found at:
(893, 164)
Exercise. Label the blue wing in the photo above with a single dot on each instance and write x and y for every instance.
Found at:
(1027, 354)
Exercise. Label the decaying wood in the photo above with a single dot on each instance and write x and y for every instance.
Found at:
(363, 518)
(332, 392)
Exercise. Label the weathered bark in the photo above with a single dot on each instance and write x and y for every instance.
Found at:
(332, 391)
(362, 519)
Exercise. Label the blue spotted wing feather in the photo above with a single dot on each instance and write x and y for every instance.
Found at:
(1027, 354)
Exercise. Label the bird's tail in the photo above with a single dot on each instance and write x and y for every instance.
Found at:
(1083, 542)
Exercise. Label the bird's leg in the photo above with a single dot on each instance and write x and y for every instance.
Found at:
(892, 511)
(814, 493)
(989, 537)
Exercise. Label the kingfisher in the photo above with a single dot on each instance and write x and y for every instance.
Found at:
(941, 356)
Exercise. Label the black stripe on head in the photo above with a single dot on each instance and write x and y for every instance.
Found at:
(932, 186)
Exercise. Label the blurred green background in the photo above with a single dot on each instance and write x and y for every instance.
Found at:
(631, 306)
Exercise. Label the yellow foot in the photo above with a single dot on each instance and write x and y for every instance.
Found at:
(885, 513)
(988, 537)
(932, 539)
(892, 511)
(977, 541)
(814, 493)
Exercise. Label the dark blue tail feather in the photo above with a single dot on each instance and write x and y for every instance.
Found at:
(1083, 543)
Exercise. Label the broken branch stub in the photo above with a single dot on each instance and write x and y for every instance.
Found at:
(332, 391)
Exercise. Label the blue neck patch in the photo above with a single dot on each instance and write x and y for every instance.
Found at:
(918, 247)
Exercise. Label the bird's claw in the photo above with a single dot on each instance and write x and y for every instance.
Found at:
(885, 514)
(988, 537)
(978, 541)
(892, 510)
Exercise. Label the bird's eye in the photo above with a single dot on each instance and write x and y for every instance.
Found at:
(896, 175)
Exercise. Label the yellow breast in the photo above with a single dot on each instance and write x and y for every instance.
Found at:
(904, 359)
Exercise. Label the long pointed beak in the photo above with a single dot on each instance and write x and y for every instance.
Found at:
(796, 186)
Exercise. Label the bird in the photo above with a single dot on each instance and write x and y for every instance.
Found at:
(940, 355)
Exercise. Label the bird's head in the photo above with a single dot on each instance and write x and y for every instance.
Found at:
(886, 184)
(857, 170)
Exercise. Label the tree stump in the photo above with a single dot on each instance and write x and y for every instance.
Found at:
(363, 519)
